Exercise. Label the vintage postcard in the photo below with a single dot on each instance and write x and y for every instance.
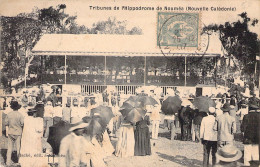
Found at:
(129, 83)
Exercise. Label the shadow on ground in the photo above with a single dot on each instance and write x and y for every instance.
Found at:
(182, 160)
(167, 135)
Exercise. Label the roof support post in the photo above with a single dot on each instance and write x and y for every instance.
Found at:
(185, 80)
(65, 70)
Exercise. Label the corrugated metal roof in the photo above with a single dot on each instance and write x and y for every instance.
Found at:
(110, 45)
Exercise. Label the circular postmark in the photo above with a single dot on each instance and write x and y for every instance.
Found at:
(179, 35)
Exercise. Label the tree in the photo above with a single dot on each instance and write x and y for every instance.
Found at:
(19, 35)
(239, 42)
(113, 26)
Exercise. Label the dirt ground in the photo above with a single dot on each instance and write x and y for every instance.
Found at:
(165, 152)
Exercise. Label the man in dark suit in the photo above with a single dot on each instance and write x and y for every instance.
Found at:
(250, 127)
(226, 126)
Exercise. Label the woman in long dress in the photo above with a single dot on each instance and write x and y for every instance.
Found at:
(31, 142)
(142, 138)
(125, 144)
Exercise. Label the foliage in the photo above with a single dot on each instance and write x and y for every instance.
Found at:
(113, 26)
(239, 41)
(19, 35)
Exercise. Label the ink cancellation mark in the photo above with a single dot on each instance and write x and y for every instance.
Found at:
(178, 29)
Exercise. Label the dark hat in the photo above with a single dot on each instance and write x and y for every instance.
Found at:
(40, 102)
(226, 107)
(229, 153)
(31, 110)
(15, 105)
(253, 105)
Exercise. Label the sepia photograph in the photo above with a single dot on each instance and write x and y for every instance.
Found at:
(129, 83)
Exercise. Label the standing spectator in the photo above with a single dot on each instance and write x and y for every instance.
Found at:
(208, 137)
(14, 120)
(185, 117)
(48, 118)
(57, 113)
(40, 94)
(66, 113)
(155, 118)
(233, 100)
(31, 143)
(247, 91)
(70, 147)
(118, 99)
(197, 122)
(232, 112)
(125, 145)
(142, 138)
(254, 99)
(226, 127)
(25, 98)
(242, 112)
(250, 127)
(39, 109)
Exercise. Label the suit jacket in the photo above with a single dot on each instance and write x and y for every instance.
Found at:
(251, 128)
(226, 127)
(70, 153)
(206, 129)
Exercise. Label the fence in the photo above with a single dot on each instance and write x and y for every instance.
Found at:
(125, 89)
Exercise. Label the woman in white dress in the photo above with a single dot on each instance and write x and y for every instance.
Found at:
(126, 141)
(31, 142)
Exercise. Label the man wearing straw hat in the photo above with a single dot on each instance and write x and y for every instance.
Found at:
(226, 126)
(251, 129)
(70, 154)
(228, 156)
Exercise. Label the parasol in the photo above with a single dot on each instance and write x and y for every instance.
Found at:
(203, 103)
(171, 105)
(94, 126)
(105, 113)
(132, 98)
(57, 132)
(147, 100)
(132, 111)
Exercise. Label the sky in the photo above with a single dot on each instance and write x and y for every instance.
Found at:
(143, 19)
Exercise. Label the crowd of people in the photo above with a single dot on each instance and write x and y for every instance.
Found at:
(30, 126)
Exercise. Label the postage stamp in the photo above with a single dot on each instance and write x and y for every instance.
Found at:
(178, 29)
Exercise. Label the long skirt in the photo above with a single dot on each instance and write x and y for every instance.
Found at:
(126, 142)
(142, 142)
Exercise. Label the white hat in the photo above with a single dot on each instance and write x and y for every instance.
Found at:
(49, 103)
(229, 153)
(79, 126)
(232, 106)
(212, 110)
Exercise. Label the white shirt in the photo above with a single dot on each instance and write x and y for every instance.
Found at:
(48, 111)
(58, 111)
(23, 111)
(155, 115)
(242, 112)
(206, 129)
(218, 112)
